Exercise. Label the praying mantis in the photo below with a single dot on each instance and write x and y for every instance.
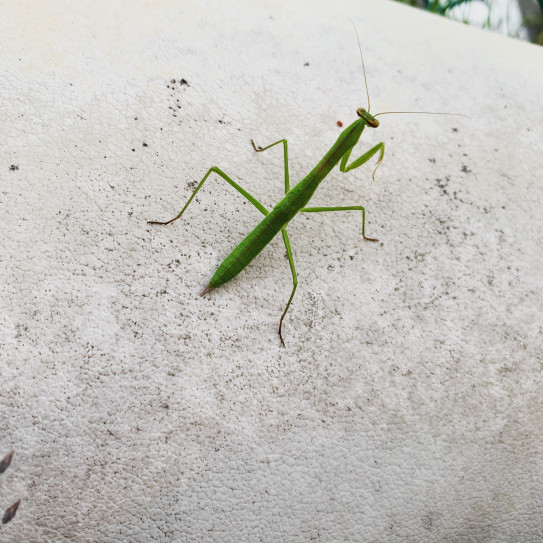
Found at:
(296, 198)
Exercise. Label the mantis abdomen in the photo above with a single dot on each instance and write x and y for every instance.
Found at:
(263, 233)
(248, 249)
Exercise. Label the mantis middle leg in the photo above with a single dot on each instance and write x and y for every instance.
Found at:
(342, 208)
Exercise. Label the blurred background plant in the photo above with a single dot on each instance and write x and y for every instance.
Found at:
(522, 19)
(9, 513)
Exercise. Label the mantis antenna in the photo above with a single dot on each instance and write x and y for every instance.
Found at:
(362, 59)
(423, 112)
(389, 112)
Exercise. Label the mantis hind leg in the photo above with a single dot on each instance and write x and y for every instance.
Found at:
(294, 281)
(218, 171)
(285, 158)
(342, 208)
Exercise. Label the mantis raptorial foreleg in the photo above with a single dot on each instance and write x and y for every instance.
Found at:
(362, 159)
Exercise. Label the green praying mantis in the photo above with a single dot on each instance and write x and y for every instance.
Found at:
(296, 198)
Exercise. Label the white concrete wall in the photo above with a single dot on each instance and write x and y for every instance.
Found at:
(407, 403)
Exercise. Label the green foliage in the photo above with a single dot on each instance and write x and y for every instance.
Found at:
(535, 25)
(532, 21)
(436, 6)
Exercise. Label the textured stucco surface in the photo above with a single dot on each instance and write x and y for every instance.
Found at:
(407, 404)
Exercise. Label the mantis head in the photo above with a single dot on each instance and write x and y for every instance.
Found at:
(368, 117)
